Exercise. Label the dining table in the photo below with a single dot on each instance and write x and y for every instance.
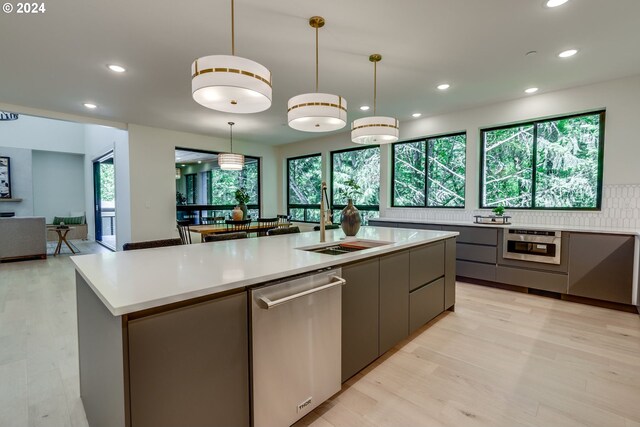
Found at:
(254, 227)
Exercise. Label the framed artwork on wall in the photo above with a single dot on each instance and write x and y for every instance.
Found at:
(5, 181)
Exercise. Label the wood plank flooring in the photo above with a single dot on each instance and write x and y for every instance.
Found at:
(502, 359)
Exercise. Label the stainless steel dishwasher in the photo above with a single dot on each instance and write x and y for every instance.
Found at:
(296, 346)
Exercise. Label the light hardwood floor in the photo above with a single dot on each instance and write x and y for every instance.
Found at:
(502, 359)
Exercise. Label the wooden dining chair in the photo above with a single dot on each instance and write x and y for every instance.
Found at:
(211, 220)
(327, 227)
(266, 224)
(241, 225)
(151, 244)
(225, 236)
(284, 220)
(184, 231)
(283, 230)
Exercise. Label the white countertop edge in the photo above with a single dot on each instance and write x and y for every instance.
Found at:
(470, 223)
(331, 261)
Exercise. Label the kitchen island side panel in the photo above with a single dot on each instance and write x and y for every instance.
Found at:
(101, 357)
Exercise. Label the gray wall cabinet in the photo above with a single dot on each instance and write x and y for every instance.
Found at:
(360, 305)
(601, 266)
(190, 366)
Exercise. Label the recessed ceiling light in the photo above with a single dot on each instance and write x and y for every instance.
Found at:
(531, 90)
(183, 165)
(90, 106)
(364, 107)
(568, 53)
(444, 86)
(199, 161)
(416, 114)
(116, 68)
(556, 3)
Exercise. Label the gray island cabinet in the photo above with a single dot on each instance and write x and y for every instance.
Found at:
(150, 357)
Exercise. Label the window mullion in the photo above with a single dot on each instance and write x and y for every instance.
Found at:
(534, 165)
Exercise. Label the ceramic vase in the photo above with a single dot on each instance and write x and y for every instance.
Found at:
(237, 213)
(350, 219)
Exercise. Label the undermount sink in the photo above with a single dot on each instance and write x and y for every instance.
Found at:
(345, 247)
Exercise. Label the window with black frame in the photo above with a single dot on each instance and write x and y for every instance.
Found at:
(546, 164)
(362, 167)
(191, 188)
(205, 190)
(430, 172)
(304, 177)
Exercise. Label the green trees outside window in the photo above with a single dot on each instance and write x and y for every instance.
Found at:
(363, 166)
(304, 177)
(550, 164)
(430, 172)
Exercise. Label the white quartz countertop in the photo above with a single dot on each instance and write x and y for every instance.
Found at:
(470, 223)
(131, 281)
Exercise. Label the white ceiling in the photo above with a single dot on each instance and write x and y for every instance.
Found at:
(57, 61)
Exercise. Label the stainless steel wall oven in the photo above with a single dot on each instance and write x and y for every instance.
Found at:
(532, 245)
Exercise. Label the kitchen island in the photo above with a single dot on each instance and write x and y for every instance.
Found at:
(164, 333)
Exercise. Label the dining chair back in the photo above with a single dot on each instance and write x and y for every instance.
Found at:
(224, 236)
(184, 231)
(327, 227)
(283, 230)
(152, 244)
(266, 224)
(241, 225)
(284, 219)
(211, 220)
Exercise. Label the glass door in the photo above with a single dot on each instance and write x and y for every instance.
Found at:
(105, 201)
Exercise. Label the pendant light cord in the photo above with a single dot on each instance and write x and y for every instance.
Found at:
(233, 32)
(231, 135)
(317, 59)
(375, 85)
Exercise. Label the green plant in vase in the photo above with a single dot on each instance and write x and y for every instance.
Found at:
(242, 197)
(498, 210)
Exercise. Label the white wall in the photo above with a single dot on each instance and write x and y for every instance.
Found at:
(153, 183)
(58, 184)
(20, 175)
(622, 149)
(38, 133)
(100, 140)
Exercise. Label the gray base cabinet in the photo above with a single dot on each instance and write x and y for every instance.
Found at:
(394, 303)
(360, 304)
(425, 304)
(190, 366)
(449, 273)
(601, 266)
(386, 298)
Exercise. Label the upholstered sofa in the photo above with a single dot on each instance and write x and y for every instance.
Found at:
(22, 237)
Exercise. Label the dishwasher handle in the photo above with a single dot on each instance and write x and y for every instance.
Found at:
(268, 304)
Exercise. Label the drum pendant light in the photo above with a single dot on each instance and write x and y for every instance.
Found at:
(231, 161)
(230, 83)
(317, 112)
(376, 129)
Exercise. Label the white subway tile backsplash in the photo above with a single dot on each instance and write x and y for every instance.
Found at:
(620, 209)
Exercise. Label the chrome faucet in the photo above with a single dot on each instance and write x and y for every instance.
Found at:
(325, 211)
